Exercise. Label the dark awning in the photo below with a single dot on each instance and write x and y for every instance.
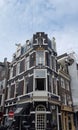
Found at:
(20, 108)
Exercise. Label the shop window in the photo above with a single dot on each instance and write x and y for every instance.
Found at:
(40, 58)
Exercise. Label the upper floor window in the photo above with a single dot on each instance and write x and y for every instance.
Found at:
(27, 63)
(12, 90)
(67, 85)
(63, 98)
(54, 85)
(18, 68)
(11, 72)
(53, 63)
(40, 40)
(62, 83)
(22, 65)
(20, 87)
(40, 58)
(14, 70)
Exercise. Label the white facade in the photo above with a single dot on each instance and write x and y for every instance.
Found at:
(73, 71)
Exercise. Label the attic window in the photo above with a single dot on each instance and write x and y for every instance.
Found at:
(40, 41)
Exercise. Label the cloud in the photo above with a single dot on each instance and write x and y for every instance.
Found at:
(19, 19)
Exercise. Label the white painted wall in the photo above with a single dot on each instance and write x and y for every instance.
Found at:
(74, 80)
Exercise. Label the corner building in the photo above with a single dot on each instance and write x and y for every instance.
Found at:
(32, 90)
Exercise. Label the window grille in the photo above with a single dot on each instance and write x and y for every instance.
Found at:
(40, 118)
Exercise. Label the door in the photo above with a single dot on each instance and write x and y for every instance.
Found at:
(40, 117)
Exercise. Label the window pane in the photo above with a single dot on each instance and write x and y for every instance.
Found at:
(14, 70)
(40, 57)
(27, 63)
(20, 88)
(22, 65)
(12, 91)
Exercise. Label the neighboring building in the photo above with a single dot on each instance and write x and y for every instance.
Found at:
(32, 89)
(67, 115)
(3, 80)
(73, 70)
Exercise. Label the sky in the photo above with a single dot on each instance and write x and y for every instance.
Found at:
(20, 19)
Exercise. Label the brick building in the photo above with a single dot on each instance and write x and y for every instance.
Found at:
(3, 81)
(32, 88)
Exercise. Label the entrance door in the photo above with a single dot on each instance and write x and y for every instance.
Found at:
(40, 122)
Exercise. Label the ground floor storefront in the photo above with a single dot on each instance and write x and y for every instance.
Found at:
(67, 118)
(37, 116)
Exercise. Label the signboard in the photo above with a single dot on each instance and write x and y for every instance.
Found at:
(11, 114)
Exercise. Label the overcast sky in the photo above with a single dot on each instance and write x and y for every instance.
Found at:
(19, 19)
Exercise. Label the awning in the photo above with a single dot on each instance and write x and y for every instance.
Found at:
(20, 108)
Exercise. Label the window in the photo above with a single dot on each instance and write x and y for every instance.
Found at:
(11, 72)
(67, 85)
(53, 63)
(40, 58)
(54, 85)
(14, 70)
(40, 41)
(63, 99)
(20, 88)
(40, 79)
(27, 63)
(12, 91)
(22, 65)
(62, 83)
(18, 68)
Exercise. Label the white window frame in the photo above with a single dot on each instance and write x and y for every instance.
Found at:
(62, 83)
(38, 60)
(27, 62)
(18, 68)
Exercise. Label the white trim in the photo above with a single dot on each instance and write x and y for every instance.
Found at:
(32, 52)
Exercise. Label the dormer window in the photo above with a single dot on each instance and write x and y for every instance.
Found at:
(40, 41)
